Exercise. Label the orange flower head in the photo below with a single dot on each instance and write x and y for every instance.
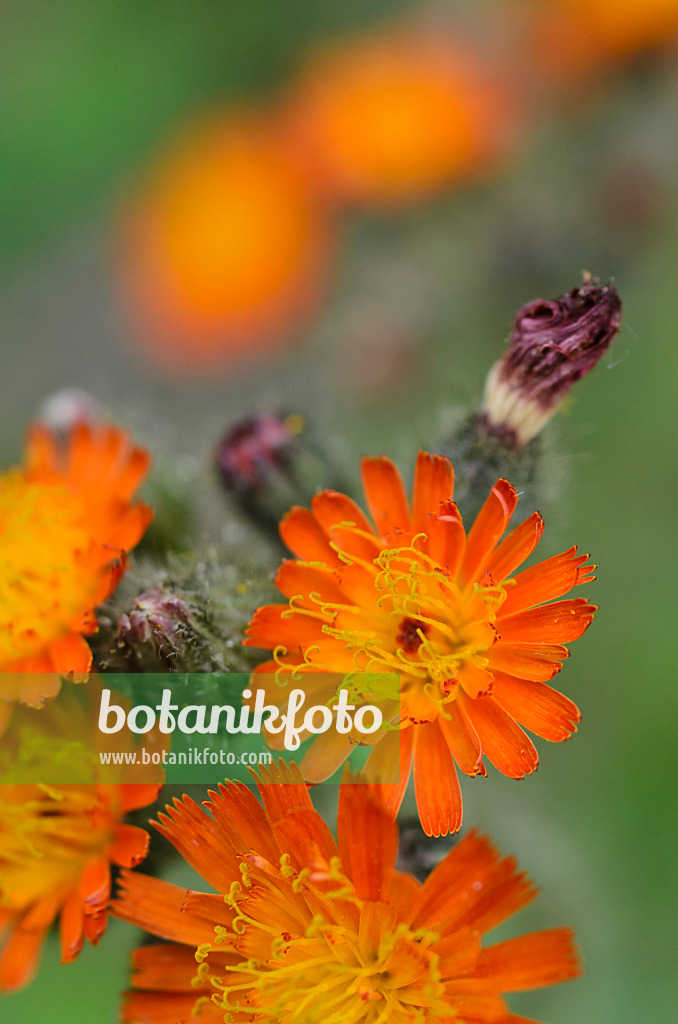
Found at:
(67, 520)
(58, 840)
(399, 117)
(225, 255)
(576, 35)
(304, 928)
(472, 641)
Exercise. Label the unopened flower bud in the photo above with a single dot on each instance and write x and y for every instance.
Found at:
(268, 463)
(156, 618)
(552, 345)
(63, 409)
(254, 450)
(148, 627)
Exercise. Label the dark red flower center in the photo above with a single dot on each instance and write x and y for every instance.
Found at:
(409, 634)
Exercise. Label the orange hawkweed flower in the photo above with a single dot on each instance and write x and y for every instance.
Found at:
(398, 117)
(575, 34)
(226, 253)
(58, 840)
(305, 929)
(66, 522)
(472, 642)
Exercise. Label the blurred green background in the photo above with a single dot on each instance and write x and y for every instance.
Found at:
(420, 303)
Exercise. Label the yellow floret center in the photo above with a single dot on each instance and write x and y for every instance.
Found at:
(48, 834)
(44, 537)
(423, 625)
(331, 972)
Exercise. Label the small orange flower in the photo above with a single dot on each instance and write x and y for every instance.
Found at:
(575, 35)
(58, 840)
(398, 117)
(304, 929)
(472, 642)
(66, 523)
(226, 253)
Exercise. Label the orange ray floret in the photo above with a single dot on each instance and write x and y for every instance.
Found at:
(58, 839)
(470, 638)
(67, 520)
(306, 929)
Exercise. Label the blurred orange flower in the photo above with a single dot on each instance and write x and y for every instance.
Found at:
(577, 34)
(305, 929)
(226, 253)
(398, 117)
(417, 598)
(57, 839)
(67, 520)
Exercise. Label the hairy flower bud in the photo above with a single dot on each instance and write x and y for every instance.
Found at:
(155, 618)
(186, 616)
(255, 449)
(269, 462)
(552, 345)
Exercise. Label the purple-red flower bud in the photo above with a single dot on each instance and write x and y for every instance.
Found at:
(156, 617)
(253, 449)
(552, 345)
